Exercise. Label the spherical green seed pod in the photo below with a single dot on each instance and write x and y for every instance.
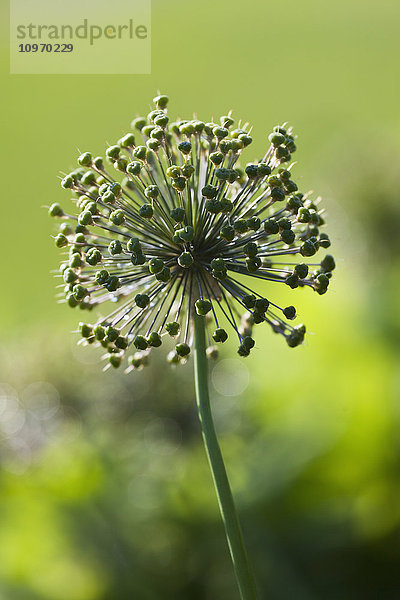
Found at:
(208, 128)
(225, 146)
(115, 247)
(69, 275)
(66, 229)
(245, 139)
(113, 284)
(253, 264)
(117, 217)
(253, 223)
(216, 158)
(55, 210)
(154, 340)
(115, 360)
(226, 121)
(134, 245)
(294, 204)
(158, 132)
(156, 265)
(182, 349)
(67, 182)
(227, 233)
(79, 291)
(213, 206)
(248, 342)
(288, 236)
(85, 159)
(142, 300)
(61, 240)
(92, 207)
(153, 144)
(127, 141)
(251, 249)
(152, 192)
(203, 306)
(138, 258)
(174, 171)
(99, 332)
(186, 234)
(243, 352)
(328, 263)
(102, 276)
(98, 163)
(140, 152)
(147, 129)
(86, 330)
(240, 226)
(301, 270)
(161, 101)
(164, 275)
(179, 183)
(308, 248)
(75, 261)
(185, 147)
(139, 123)
(111, 333)
(226, 205)
(220, 335)
(251, 171)
(185, 260)
(80, 238)
(218, 263)
(277, 194)
(113, 152)
(249, 300)
(161, 121)
(220, 132)
(140, 342)
(134, 168)
(108, 197)
(93, 256)
(121, 164)
(209, 191)
(276, 138)
(321, 283)
(289, 312)
(303, 215)
(271, 226)
(146, 211)
(292, 281)
(187, 170)
(222, 174)
(121, 342)
(261, 305)
(85, 218)
(173, 328)
(324, 240)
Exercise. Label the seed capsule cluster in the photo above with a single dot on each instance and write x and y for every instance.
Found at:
(169, 224)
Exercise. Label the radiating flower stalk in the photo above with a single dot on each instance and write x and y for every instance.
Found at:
(173, 233)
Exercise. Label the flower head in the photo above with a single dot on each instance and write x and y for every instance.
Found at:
(178, 227)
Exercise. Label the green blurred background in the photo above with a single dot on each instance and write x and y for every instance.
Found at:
(104, 488)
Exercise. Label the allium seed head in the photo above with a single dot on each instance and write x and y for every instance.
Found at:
(185, 231)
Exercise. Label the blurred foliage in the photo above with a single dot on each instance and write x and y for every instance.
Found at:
(105, 492)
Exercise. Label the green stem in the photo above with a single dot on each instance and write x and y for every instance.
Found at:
(222, 487)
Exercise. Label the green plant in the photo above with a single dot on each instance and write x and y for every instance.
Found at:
(173, 245)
